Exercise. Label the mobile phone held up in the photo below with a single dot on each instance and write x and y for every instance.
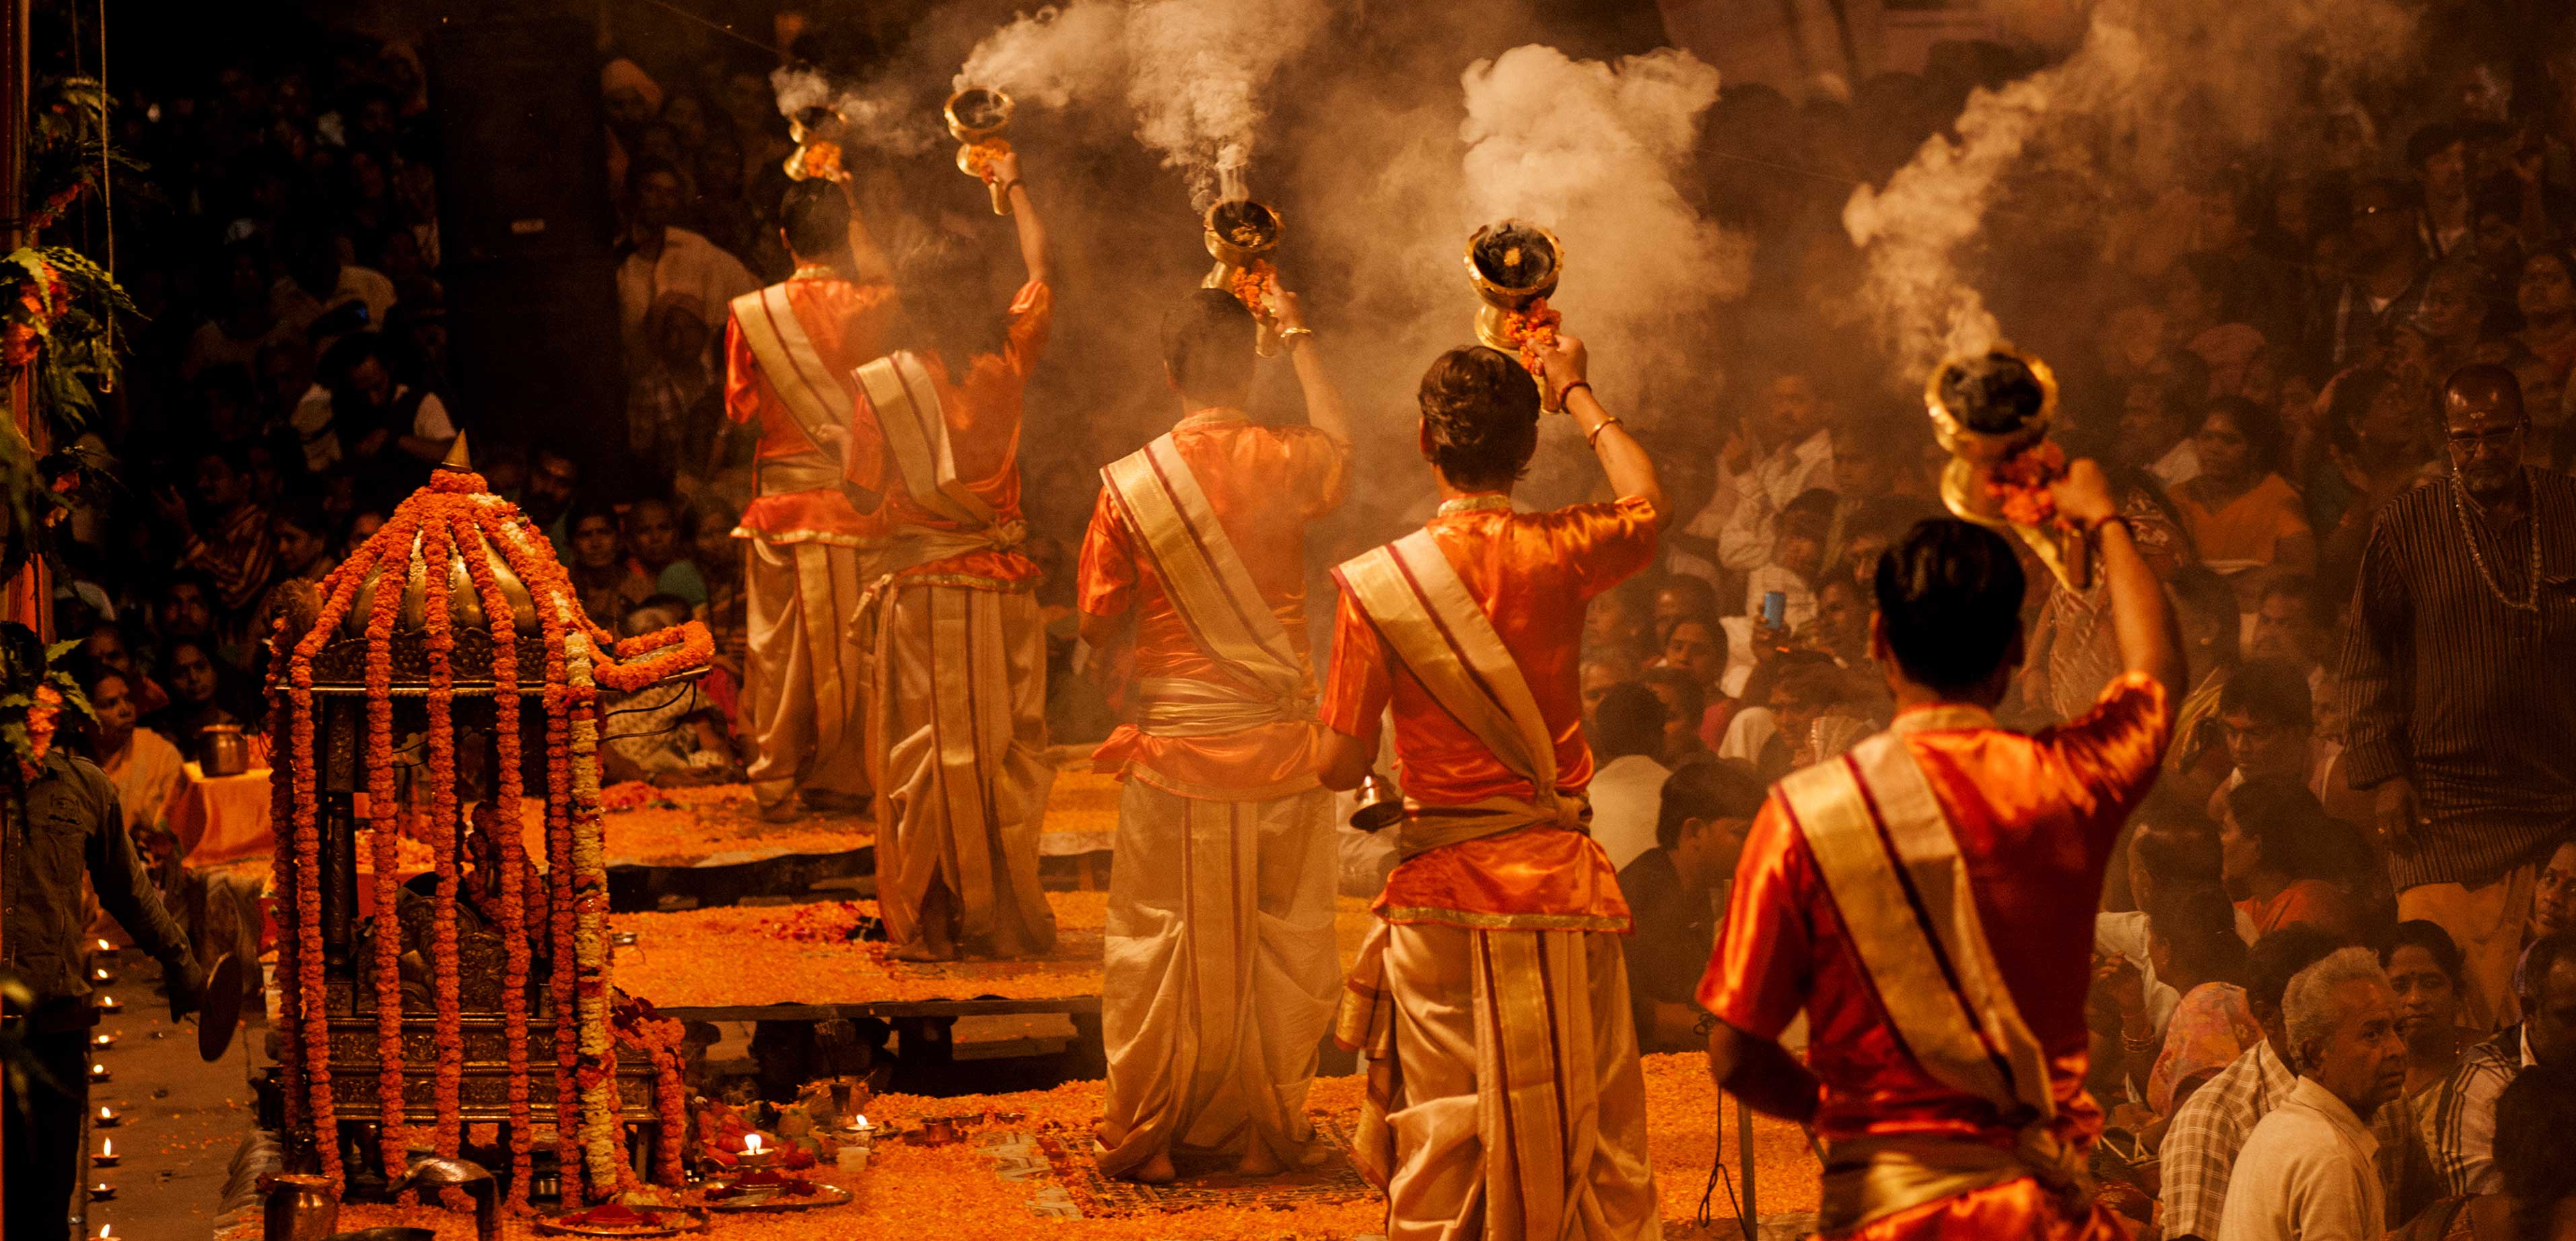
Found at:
(1775, 609)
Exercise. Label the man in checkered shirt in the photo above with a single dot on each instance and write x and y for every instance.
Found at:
(2200, 1146)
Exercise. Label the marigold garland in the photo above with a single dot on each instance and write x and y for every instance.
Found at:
(1531, 329)
(1253, 285)
(383, 817)
(456, 519)
(438, 549)
(507, 796)
(282, 885)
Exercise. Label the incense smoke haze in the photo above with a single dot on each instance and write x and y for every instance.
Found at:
(1194, 71)
(2151, 80)
(880, 113)
(1383, 153)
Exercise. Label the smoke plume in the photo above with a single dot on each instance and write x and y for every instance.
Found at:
(1592, 151)
(2157, 89)
(881, 114)
(1194, 71)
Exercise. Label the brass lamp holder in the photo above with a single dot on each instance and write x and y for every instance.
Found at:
(976, 117)
(1987, 410)
(1513, 265)
(1241, 233)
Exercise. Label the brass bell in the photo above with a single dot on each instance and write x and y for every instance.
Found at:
(1381, 804)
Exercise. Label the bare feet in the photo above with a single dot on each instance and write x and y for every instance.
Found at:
(1259, 1161)
(781, 812)
(1154, 1171)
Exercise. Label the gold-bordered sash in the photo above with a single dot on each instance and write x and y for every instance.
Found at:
(1424, 612)
(1893, 869)
(916, 434)
(796, 372)
(1209, 585)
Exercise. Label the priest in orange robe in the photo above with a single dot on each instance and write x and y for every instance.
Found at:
(1219, 963)
(958, 719)
(1491, 1001)
(788, 353)
(1927, 899)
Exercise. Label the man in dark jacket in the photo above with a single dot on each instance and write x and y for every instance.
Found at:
(72, 828)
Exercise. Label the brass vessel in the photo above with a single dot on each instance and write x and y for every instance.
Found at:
(1988, 409)
(820, 134)
(1513, 265)
(1241, 232)
(976, 117)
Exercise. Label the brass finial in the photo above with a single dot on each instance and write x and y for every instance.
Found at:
(456, 458)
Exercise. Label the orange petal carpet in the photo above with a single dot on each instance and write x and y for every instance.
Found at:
(966, 1191)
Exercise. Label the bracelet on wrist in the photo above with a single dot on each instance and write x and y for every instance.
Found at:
(1592, 438)
(1569, 390)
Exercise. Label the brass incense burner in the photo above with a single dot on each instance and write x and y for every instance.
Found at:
(1240, 234)
(820, 134)
(976, 118)
(1993, 411)
(1514, 266)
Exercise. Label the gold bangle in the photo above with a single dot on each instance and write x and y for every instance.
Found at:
(1592, 438)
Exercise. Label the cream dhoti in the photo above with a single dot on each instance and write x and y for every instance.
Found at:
(1503, 1065)
(804, 681)
(1219, 975)
(963, 778)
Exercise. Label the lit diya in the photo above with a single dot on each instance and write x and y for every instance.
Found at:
(98, 1073)
(110, 1005)
(108, 1117)
(761, 1189)
(101, 1192)
(101, 976)
(106, 1156)
(101, 1041)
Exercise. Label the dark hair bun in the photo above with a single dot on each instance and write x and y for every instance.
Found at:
(1482, 410)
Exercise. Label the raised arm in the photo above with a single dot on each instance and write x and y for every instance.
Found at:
(1024, 214)
(867, 259)
(1623, 459)
(2142, 619)
(1326, 411)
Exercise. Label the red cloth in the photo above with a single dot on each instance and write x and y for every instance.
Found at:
(848, 324)
(2035, 818)
(1264, 484)
(2020, 1210)
(1531, 573)
(983, 416)
(2313, 901)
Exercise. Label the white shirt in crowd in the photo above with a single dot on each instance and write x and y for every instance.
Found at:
(322, 446)
(2306, 1175)
(690, 265)
(1754, 497)
(2179, 465)
(1788, 472)
(1627, 798)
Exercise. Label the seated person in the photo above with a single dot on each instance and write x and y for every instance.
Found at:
(656, 549)
(1676, 894)
(2243, 516)
(1797, 561)
(608, 582)
(197, 696)
(2278, 857)
(2172, 848)
(1699, 648)
(141, 763)
(1684, 700)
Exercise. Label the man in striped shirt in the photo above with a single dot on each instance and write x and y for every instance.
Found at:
(2462, 1127)
(2459, 687)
